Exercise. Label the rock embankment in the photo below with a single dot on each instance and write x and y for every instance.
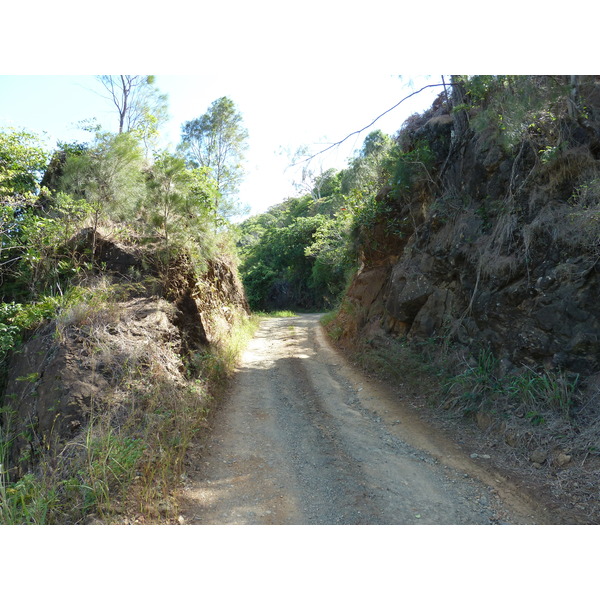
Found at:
(98, 357)
(494, 246)
(492, 249)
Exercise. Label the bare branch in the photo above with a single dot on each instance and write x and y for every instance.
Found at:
(431, 85)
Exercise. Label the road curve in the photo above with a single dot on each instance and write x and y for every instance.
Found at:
(303, 438)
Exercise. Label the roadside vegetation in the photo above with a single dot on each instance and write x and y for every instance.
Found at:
(303, 252)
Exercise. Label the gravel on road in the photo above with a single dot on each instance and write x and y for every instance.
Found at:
(304, 438)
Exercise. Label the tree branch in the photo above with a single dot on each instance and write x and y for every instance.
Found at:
(372, 122)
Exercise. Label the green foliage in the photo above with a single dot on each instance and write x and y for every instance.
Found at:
(480, 387)
(27, 501)
(108, 176)
(278, 268)
(29, 316)
(180, 201)
(45, 260)
(17, 319)
(21, 166)
(331, 251)
(41, 498)
(295, 254)
(367, 171)
(140, 106)
(476, 385)
(408, 169)
(9, 330)
(514, 107)
(302, 252)
(279, 314)
(22, 163)
(217, 142)
(111, 461)
(552, 389)
(327, 184)
(48, 272)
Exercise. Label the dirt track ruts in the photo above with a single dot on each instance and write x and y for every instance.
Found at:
(303, 438)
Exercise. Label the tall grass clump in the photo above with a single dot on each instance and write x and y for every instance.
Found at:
(480, 387)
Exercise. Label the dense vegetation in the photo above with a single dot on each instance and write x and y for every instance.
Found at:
(302, 252)
(161, 199)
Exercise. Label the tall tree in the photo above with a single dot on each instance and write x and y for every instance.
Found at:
(217, 141)
(140, 106)
(178, 206)
(366, 173)
(108, 176)
(22, 161)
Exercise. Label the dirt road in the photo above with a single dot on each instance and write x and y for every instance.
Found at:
(303, 438)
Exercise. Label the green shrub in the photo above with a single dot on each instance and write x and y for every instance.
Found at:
(410, 169)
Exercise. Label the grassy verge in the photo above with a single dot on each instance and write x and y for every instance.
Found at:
(125, 462)
(275, 313)
(457, 381)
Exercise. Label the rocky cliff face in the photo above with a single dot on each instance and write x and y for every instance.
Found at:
(494, 245)
(99, 356)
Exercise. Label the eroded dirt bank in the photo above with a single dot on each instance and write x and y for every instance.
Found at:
(303, 438)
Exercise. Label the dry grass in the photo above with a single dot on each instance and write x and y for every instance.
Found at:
(129, 454)
(511, 416)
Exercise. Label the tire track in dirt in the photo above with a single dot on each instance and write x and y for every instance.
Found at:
(302, 438)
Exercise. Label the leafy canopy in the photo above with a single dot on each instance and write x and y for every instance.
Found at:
(179, 205)
(22, 162)
(217, 141)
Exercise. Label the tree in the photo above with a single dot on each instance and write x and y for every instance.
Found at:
(327, 184)
(179, 200)
(166, 184)
(296, 254)
(141, 108)
(107, 175)
(308, 174)
(22, 162)
(365, 171)
(217, 141)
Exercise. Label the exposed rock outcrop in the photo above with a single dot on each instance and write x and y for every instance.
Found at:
(497, 248)
(80, 365)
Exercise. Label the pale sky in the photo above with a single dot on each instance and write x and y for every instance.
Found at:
(301, 74)
(280, 112)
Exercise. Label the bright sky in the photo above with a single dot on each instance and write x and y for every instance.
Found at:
(302, 74)
(280, 113)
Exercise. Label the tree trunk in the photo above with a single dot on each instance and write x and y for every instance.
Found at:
(573, 100)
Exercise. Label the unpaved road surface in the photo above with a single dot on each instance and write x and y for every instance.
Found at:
(303, 438)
